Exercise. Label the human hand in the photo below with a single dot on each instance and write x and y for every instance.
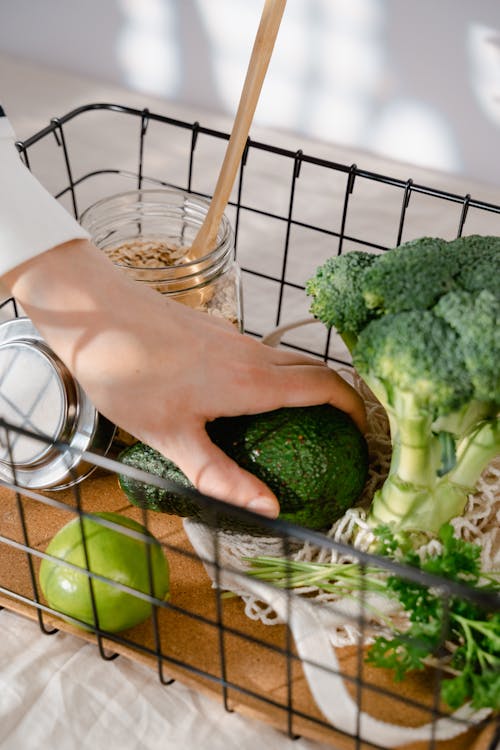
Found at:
(161, 370)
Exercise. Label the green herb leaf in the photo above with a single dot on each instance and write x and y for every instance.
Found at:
(433, 619)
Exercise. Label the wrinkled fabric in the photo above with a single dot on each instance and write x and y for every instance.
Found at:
(56, 692)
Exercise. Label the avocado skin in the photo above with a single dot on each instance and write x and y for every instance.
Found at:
(142, 456)
(313, 458)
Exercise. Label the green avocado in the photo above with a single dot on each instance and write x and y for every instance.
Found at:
(313, 458)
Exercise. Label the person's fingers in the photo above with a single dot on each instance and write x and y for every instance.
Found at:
(214, 473)
(284, 358)
(299, 383)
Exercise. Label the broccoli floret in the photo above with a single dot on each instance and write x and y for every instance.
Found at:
(428, 345)
(399, 280)
(477, 263)
(415, 353)
(336, 290)
(475, 317)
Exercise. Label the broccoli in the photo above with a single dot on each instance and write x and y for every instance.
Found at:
(338, 299)
(399, 280)
(477, 257)
(422, 323)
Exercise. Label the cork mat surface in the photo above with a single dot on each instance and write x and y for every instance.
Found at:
(260, 680)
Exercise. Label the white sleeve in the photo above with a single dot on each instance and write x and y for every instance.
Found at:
(31, 220)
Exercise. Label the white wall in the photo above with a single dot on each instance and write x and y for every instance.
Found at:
(416, 81)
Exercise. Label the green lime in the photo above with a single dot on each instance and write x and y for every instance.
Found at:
(116, 557)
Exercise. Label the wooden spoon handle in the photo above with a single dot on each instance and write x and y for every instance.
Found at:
(257, 68)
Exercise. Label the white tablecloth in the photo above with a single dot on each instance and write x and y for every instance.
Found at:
(56, 692)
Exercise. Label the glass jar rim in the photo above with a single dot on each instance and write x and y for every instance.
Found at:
(224, 232)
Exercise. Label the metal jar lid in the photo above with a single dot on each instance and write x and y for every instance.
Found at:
(39, 396)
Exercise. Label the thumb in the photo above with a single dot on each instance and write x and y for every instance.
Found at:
(213, 473)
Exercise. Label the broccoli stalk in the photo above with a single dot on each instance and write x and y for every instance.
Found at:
(415, 495)
(476, 449)
(422, 325)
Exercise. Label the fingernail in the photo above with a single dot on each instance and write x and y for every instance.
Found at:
(264, 506)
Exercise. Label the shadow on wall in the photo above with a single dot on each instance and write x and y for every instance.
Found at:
(415, 82)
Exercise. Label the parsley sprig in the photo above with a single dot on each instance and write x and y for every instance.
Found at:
(438, 622)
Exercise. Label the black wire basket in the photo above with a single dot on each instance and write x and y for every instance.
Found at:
(202, 635)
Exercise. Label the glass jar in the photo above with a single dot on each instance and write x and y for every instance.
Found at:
(50, 423)
(148, 233)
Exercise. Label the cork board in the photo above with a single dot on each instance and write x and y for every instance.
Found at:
(260, 680)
